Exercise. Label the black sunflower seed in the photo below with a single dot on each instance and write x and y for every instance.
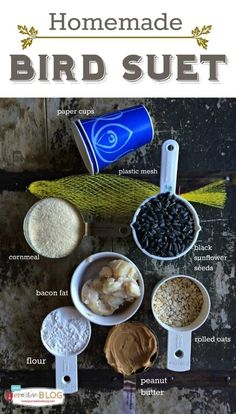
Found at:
(165, 226)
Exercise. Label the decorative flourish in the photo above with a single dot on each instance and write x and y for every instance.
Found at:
(31, 33)
(197, 33)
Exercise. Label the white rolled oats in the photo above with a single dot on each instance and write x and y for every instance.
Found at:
(178, 302)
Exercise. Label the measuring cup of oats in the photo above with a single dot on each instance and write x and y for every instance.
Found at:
(65, 333)
(166, 226)
(180, 304)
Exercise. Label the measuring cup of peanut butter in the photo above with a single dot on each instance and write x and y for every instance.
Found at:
(131, 348)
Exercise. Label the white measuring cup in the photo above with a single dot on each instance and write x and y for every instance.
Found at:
(179, 339)
(85, 229)
(168, 178)
(66, 363)
(89, 268)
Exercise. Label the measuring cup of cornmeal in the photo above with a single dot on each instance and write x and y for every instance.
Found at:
(180, 304)
(131, 348)
(53, 228)
(166, 226)
(65, 333)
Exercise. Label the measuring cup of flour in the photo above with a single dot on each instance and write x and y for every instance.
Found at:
(166, 226)
(65, 333)
(180, 304)
(53, 228)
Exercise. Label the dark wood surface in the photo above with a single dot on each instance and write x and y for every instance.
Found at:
(36, 144)
(107, 379)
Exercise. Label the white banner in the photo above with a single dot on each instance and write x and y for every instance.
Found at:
(133, 49)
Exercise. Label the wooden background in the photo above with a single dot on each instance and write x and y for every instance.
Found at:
(35, 143)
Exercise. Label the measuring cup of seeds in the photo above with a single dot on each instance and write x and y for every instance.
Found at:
(166, 226)
(65, 333)
(53, 228)
(180, 304)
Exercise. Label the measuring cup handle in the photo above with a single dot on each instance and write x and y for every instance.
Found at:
(129, 395)
(179, 351)
(67, 374)
(107, 230)
(169, 166)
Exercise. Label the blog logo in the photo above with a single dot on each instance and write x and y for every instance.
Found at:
(8, 396)
(34, 397)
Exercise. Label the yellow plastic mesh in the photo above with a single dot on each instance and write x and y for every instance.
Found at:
(106, 194)
(213, 194)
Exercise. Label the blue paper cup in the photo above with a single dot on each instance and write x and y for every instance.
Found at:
(105, 139)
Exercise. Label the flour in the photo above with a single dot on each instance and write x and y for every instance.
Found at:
(65, 334)
(54, 228)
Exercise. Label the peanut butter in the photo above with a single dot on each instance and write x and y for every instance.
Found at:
(130, 347)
